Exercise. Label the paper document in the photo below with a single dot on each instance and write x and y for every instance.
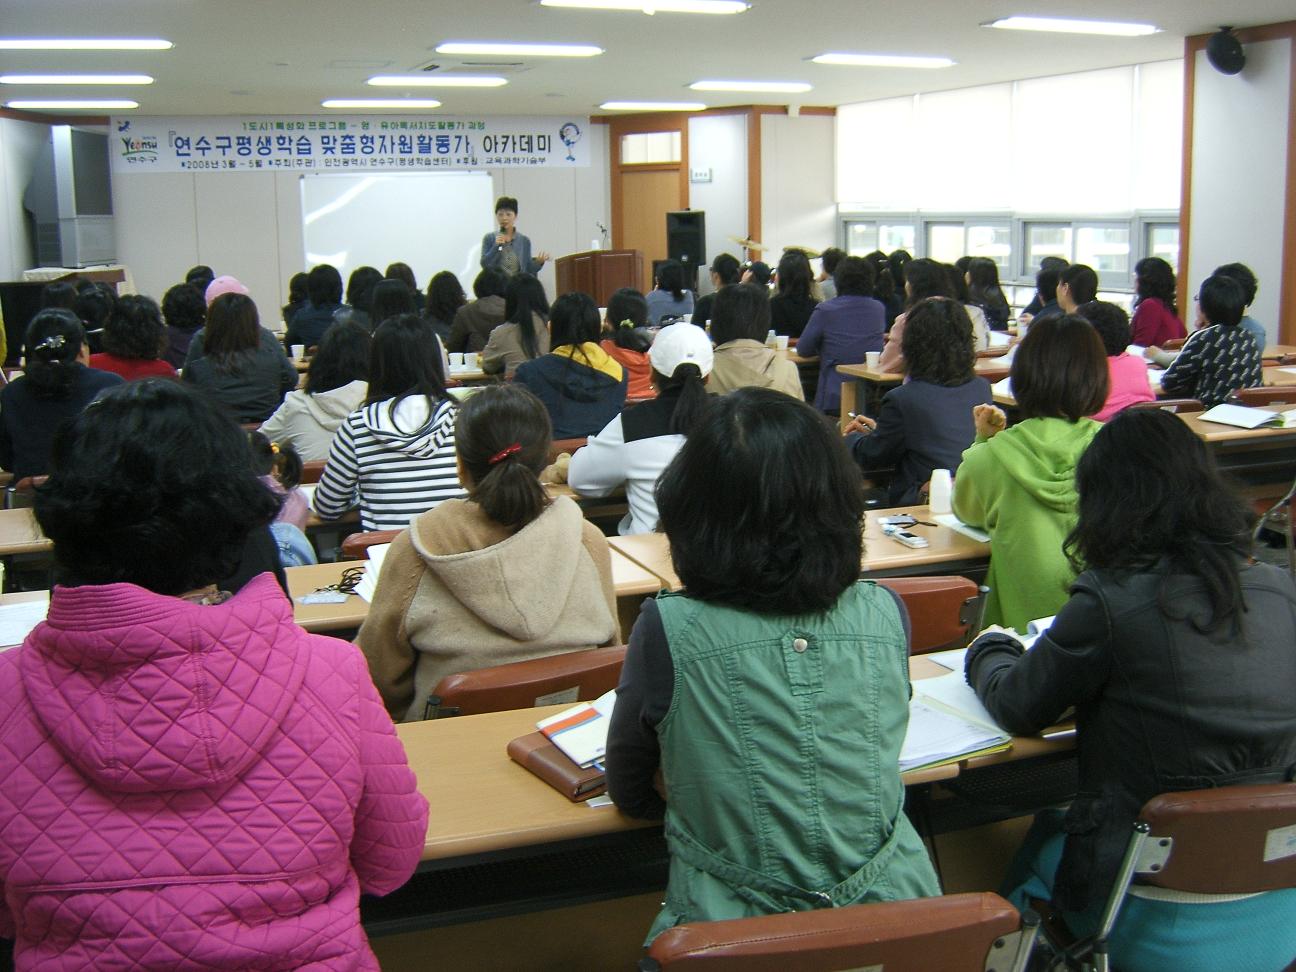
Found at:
(17, 621)
(1002, 387)
(957, 525)
(1245, 417)
(940, 734)
(1000, 339)
(581, 731)
(369, 581)
(308, 490)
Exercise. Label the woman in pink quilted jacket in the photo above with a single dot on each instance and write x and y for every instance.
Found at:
(190, 780)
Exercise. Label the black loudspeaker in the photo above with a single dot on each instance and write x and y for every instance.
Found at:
(686, 238)
(1225, 52)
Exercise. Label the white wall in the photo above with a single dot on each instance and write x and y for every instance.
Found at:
(798, 206)
(719, 143)
(20, 146)
(249, 224)
(1239, 170)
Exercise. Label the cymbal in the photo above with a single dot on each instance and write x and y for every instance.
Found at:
(811, 254)
(746, 243)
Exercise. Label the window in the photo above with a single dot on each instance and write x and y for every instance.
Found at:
(1045, 240)
(650, 148)
(1107, 250)
(861, 238)
(945, 241)
(897, 237)
(991, 241)
(1162, 241)
(865, 236)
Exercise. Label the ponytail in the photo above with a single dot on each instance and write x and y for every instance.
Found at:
(502, 436)
(510, 493)
(693, 399)
(279, 460)
(53, 341)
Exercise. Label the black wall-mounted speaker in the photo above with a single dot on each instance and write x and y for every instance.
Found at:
(1225, 53)
(686, 237)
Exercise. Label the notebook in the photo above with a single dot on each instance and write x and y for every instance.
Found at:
(581, 731)
(368, 585)
(1244, 417)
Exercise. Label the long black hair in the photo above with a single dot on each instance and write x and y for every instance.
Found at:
(525, 298)
(1149, 493)
(671, 276)
(627, 316)
(502, 436)
(405, 360)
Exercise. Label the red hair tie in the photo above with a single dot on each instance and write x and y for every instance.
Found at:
(507, 451)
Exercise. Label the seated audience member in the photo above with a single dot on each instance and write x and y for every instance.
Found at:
(280, 469)
(1127, 375)
(884, 286)
(324, 287)
(133, 340)
(237, 362)
(359, 297)
(982, 278)
(1018, 483)
(1221, 357)
(636, 446)
(502, 576)
(956, 280)
(758, 273)
(201, 277)
(94, 304)
(405, 274)
(1046, 281)
(792, 303)
(394, 456)
(925, 279)
(842, 330)
(925, 423)
(1156, 318)
(336, 384)
(670, 299)
(523, 335)
(389, 298)
(58, 294)
(152, 709)
(298, 297)
(581, 385)
(828, 261)
(445, 296)
(725, 270)
(738, 328)
(776, 663)
(225, 285)
(627, 338)
(185, 312)
(1241, 273)
(1077, 285)
(1175, 651)
(474, 322)
(55, 387)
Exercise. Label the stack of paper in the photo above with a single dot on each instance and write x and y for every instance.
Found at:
(1244, 417)
(373, 567)
(17, 621)
(581, 731)
(958, 526)
(939, 734)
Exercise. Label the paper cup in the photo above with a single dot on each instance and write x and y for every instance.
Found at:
(939, 497)
(782, 342)
(871, 358)
(456, 359)
(470, 360)
(298, 352)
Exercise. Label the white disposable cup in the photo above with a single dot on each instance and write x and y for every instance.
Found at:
(470, 360)
(941, 488)
(783, 342)
(871, 358)
(456, 359)
(298, 352)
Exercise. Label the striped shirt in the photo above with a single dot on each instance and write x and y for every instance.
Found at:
(394, 463)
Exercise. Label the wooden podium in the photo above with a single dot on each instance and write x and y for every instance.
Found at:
(599, 273)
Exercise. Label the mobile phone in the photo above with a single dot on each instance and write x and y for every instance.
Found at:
(901, 520)
(905, 537)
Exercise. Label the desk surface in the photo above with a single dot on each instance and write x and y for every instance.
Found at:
(882, 555)
(991, 369)
(1216, 433)
(20, 533)
(1273, 376)
(629, 579)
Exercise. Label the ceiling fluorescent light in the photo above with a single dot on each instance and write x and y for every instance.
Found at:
(652, 106)
(380, 103)
(523, 50)
(1060, 25)
(435, 81)
(84, 44)
(75, 79)
(772, 87)
(655, 6)
(883, 60)
(88, 105)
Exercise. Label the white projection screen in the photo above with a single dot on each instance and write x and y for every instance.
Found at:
(431, 220)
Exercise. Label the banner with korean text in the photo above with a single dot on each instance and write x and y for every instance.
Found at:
(349, 143)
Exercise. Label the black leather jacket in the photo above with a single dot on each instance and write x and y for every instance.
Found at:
(1159, 705)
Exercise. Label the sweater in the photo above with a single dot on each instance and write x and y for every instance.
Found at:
(457, 592)
(308, 421)
(789, 315)
(194, 786)
(582, 388)
(1214, 363)
(841, 331)
(504, 351)
(28, 423)
(745, 363)
(1129, 384)
(1019, 486)
(492, 254)
(250, 384)
(309, 324)
(132, 369)
(395, 461)
(662, 304)
(473, 324)
(1154, 323)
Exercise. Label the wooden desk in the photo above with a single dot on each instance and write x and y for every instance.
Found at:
(1279, 375)
(1218, 434)
(1275, 351)
(948, 551)
(991, 369)
(21, 534)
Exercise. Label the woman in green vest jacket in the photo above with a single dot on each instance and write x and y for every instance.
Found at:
(1019, 483)
(772, 693)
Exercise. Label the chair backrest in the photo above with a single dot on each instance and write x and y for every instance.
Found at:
(1273, 395)
(22, 494)
(311, 471)
(954, 933)
(571, 676)
(1169, 405)
(1173, 344)
(944, 612)
(356, 546)
(559, 446)
(1231, 840)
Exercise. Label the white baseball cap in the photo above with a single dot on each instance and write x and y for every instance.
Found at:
(677, 344)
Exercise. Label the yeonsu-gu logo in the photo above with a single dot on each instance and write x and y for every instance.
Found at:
(140, 148)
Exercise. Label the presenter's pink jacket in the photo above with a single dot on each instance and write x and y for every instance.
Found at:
(190, 787)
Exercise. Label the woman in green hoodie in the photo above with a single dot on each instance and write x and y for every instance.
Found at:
(1019, 483)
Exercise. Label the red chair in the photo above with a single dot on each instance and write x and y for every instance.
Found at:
(944, 612)
(356, 546)
(22, 494)
(570, 676)
(311, 471)
(568, 446)
(1169, 405)
(953, 933)
(1270, 396)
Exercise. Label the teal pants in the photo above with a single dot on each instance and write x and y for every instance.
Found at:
(1255, 934)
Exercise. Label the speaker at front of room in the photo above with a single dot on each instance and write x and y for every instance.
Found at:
(686, 237)
(1225, 52)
